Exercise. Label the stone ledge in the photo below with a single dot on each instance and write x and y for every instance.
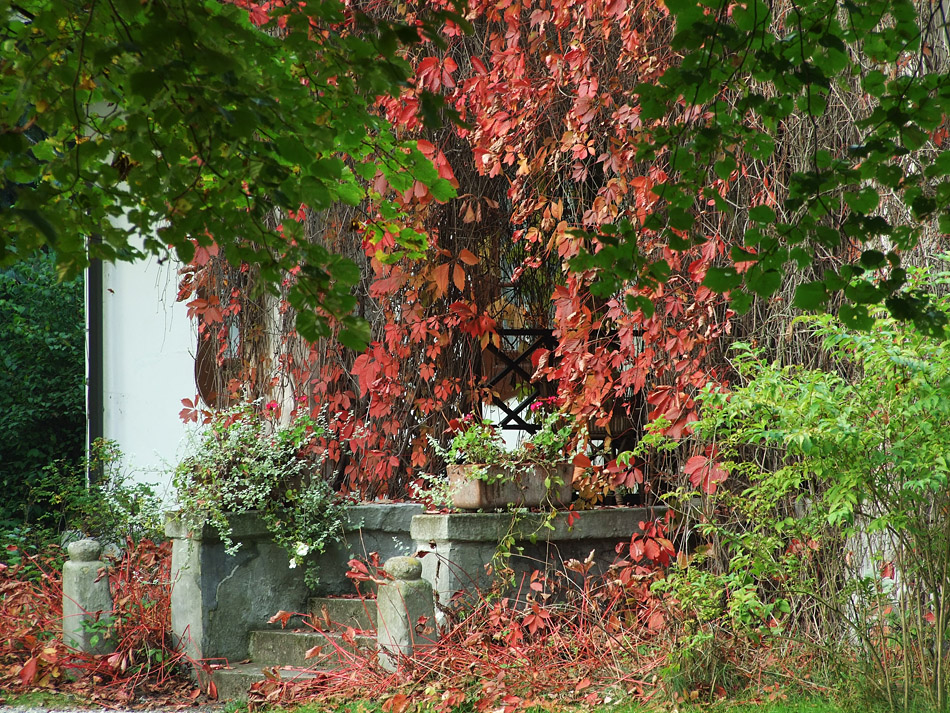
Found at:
(601, 524)
(245, 526)
(385, 517)
(248, 526)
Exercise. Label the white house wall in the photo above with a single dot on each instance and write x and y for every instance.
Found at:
(148, 367)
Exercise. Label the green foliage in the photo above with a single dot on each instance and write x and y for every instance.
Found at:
(845, 509)
(113, 508)
(747, 74)
(246, 462)
(50, 700)
(130, 128)
(42, 402)
(552, 442)
(480, 443)
(59, 504)
(721, 613)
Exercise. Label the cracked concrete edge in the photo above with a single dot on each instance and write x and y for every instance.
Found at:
(385, 517)
(614, 523)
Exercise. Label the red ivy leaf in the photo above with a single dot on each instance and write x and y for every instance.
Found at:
(282, 616)
(581, 461)
(467, 257)
(705, 473)
(28, 672)
(440, 277)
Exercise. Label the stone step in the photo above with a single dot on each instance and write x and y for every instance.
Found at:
(233, 683)
(338, 613)
(285, 652)
(289, 648)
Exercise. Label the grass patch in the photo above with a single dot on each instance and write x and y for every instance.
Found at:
(813, 705)
(44, 699)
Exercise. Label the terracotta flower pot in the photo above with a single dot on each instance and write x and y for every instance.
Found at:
(526, 489)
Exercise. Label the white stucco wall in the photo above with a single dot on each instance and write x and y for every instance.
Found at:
(148, 367)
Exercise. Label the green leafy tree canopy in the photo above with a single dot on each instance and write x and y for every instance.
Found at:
(130, 127)
(865, 85)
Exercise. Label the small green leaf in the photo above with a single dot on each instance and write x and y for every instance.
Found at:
(147, 84)
(639, 302)
(356, 335)
(442, 190)
(811, 296)
(872, 259)
(864, 201)
(722, 279)
(856, 317)
(740, 301)
(762, 214)
(763, 282)
(40, 222)
(311, 327)
(44, 151)
(681, 219)
(344, 270)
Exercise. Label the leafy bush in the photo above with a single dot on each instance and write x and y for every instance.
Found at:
(246, 462)
(842, 534)
(42, 403)
(113, 509)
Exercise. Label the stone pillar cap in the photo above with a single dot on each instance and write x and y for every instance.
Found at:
(403, 568)
(86, 550)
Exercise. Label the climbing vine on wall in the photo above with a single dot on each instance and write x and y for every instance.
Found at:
(554, 226)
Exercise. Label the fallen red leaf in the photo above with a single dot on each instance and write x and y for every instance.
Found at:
(28, 672)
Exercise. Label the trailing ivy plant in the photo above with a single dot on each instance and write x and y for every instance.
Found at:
(245, 461)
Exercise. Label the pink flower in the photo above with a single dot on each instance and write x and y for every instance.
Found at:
(271, 406)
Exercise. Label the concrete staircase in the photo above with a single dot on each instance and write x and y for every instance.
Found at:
(345, 627)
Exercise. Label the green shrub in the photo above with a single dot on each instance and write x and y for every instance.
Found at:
(834, 524)
(42, 400)
(113, 509)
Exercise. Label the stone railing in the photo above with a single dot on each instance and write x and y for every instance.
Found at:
(217, 599)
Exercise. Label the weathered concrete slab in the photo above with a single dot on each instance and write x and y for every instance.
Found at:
(405, 616)
(459, 546)
(289, 648)
(604, 523)
(375, 527)
(87, 601)
(336, 614)
(233, 683)
(217, 598)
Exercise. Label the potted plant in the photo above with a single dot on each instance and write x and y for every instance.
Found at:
(483, 475)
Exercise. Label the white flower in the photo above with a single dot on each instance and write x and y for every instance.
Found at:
(293, 563)
(303, 549)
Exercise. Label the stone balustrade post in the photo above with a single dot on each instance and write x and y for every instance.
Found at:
(405, 612)
(87, 601)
